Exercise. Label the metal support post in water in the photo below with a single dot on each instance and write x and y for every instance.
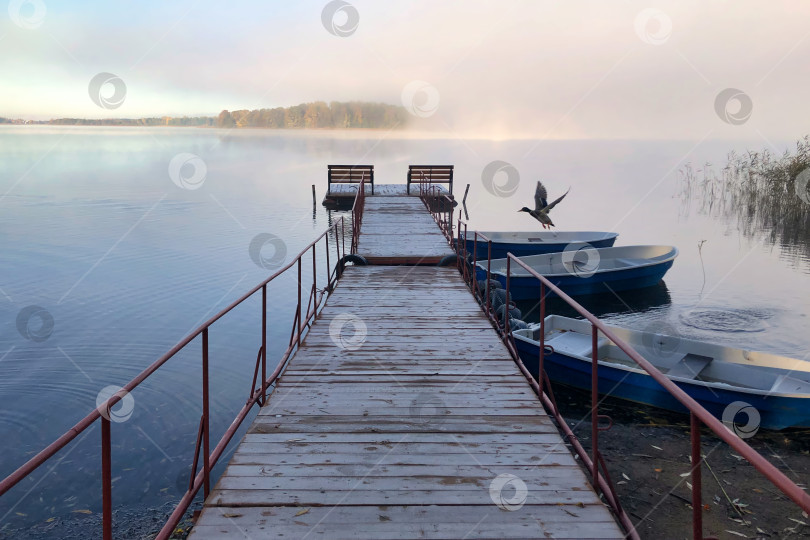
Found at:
(106, 477)
(206, 418)
(264, 343)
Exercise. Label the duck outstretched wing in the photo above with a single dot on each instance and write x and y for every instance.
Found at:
(553, 204)
(540, 196)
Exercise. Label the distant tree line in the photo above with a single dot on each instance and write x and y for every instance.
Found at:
(319, 114)
(163, 121)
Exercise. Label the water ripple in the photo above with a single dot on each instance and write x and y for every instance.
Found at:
(727, 320)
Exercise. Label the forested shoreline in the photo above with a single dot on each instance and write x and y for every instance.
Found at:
(315, 115)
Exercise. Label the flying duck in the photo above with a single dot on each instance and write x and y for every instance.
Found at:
(542, 207)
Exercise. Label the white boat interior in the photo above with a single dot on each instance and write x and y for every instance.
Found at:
(538, 237)
(584, 259)
(679, 358)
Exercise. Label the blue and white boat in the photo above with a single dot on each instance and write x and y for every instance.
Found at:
(536, 242)
(773, 391)
(582, 269)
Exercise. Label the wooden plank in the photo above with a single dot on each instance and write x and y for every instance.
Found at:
(234, 495)
(407, 474)
(395, 522)
(397, 478)
(304, 461)
(326, 423)
(405, 380)
(537, 453)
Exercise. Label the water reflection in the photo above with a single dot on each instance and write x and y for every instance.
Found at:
(762, 195)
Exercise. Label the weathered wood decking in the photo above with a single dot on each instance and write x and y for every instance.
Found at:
(399, 230)
(399, 417)
(341, 196)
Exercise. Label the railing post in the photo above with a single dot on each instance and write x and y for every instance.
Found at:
(106, 478)
(595, 407)
(541, 363)
(264, 343)
(697, 461)
(450, 221)
(508, 298)
(475, 262)
(328, 265)
(458, 238)
(465, 269)
(206, 418)
(298, 312)
(489, 268)
(314, 269)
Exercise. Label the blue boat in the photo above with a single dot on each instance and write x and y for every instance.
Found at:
(582, 269)
(772, 391)
(536, 242)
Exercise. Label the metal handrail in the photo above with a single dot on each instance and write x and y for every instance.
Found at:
(698, 414)
(358, 207)
(210, 458)
(439, 205)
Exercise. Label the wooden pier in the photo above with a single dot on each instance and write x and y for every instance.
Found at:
(403, 415)
(399, 230)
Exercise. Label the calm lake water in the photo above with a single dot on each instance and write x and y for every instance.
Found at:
(94, 231)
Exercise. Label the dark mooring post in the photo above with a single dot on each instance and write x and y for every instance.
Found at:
(313, 195)
(464, 203)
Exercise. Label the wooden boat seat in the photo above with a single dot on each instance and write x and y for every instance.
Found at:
(575, 343)
(785, 384)
(689, 366)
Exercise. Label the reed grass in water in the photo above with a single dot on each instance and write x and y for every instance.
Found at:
(765, 196)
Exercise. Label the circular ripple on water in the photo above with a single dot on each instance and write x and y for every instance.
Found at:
(727, 320)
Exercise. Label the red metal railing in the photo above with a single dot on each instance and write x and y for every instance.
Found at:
(595, 463)
(302, 320)
(358, 207)
(439, 204)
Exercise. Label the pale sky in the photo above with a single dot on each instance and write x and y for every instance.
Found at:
(501, 69)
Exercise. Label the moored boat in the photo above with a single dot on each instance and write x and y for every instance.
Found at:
(582, 269)
(776, 388)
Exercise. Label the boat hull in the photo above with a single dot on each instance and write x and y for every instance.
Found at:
(776, 412)
(623, 279)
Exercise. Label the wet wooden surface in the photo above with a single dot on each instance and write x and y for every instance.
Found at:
(384, 190)
(400, 417)
(400, 230)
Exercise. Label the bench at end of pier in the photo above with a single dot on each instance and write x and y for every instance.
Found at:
(431, 174)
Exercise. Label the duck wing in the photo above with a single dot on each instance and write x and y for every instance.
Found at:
(553, 204)
(540, 196)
